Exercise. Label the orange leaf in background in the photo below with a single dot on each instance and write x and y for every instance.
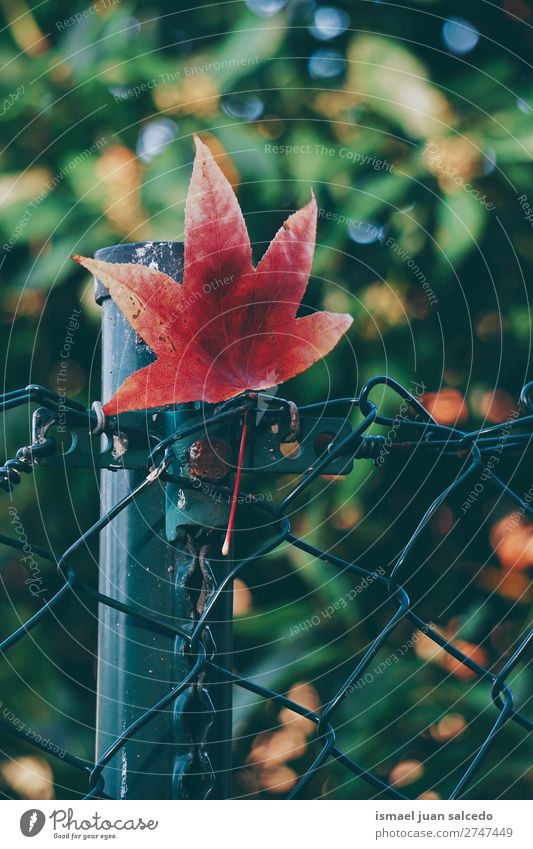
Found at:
(242, 598)
(281, 779)
(447, 406)
(230, 326)
(428, 650)
(120, 174)
(450, 726)
(509, 583)
(305, 695)
(406, 772)
(475, 653)
(512, 541)
(496, 406)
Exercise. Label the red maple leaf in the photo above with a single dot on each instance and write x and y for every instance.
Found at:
(230, 326)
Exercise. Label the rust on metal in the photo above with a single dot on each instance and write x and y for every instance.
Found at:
(210, 459)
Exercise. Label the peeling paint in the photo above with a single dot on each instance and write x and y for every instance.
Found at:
(124, 774)
(120, 445)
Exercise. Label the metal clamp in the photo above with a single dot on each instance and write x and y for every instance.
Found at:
(283, 442)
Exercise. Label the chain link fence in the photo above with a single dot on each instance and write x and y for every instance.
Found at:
(192, 697)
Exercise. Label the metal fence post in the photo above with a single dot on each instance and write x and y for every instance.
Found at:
(160, 554)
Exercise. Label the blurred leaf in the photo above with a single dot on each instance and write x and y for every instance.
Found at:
(460, 222)
(396, 85)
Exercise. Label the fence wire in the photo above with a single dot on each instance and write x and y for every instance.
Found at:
(427, 435)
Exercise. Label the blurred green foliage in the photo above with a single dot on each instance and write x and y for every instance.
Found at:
(416, 135)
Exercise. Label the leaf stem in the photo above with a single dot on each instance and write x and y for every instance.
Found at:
(231, 520)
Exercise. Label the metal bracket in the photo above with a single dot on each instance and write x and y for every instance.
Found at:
(128, 440)
(125, 444)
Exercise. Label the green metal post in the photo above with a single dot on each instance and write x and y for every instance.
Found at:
(162, 554)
